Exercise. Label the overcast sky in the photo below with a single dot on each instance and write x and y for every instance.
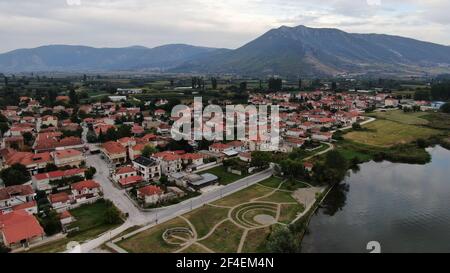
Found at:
(230, 23)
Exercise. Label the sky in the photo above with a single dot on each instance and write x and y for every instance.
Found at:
(228, 24)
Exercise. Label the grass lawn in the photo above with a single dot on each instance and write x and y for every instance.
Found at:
(279, 197)
(90, 224)
(194, 249)
(289, 212)
(438, 120)
(385, 133)
(151, 241)
(225, 238)
(225, 177)
(415, 118)
(272, 182)
(256, 240)
(293, 185)
(243, 196)
(205, 218)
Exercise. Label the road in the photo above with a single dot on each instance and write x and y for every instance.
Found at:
(141, 218)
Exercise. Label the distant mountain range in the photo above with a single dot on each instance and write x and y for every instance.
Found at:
(286, 51)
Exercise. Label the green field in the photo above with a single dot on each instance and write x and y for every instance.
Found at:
(151, 241)
(416, 118)
(225, 177)
(89, 221)
(386, 133)
(222, 226)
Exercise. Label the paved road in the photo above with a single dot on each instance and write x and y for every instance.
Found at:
(137, 217)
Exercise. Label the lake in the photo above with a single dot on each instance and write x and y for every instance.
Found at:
(406, 208)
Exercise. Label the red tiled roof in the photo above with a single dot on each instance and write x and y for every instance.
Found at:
(59, 197)
(25, 205)
(89, 184)
(130, 180)
(67, 153)
(10, 191)
(18, 226)
(58, 174)
(124, 170)
(150, 190)
(113, 148)
(167, 156)
(191, 156)
(65, 214)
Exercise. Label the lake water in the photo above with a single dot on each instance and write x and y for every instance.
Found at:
(406, 208)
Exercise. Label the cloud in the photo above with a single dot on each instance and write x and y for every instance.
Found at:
(232, 23)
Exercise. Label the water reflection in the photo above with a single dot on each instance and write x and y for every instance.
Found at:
(404, 207)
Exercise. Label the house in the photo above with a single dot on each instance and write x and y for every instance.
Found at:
(308, 166)
(68, 158)
(137, 130)
(15, 195)
(148, 168)
(130, 181)
(49, 121)
(128, 91)
(192, 159)
(390, 102)
(85, 190)
(245, 156)
(30, 207)
(219, 147)
(170, 162)
(150, 194)
(198, 182)
(42, 181)
(33, 162)
(60, 201)
(135, 151)
(66, 218)
(19, 228)
(163, 128)
(124, 172)
(295, 132)
(322, 136)
(114, 153)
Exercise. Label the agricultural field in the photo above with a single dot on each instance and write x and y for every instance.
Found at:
(416, 118)
(387, 133)
(241, 222)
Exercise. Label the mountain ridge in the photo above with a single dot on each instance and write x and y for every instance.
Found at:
(285, 51)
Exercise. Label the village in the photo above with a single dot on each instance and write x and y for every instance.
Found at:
(74, 155)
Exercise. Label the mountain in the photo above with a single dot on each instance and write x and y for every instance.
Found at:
(285, 51)
(67, 58)
(315, 52)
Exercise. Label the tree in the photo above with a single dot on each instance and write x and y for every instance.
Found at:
(73, 97)
(123, 131)
(282, 240)
(148, 151)
(50, 222)
(421, 95)
(4, 127)
(260, 159)
(112, 214)
(356, 126)
(17, 174)
(446, 108)
(90, 172)
(28, 138)
(293, 168)
(275, 84)
(111, 135)
(163, 180)
(243, 86)
(214, 83)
